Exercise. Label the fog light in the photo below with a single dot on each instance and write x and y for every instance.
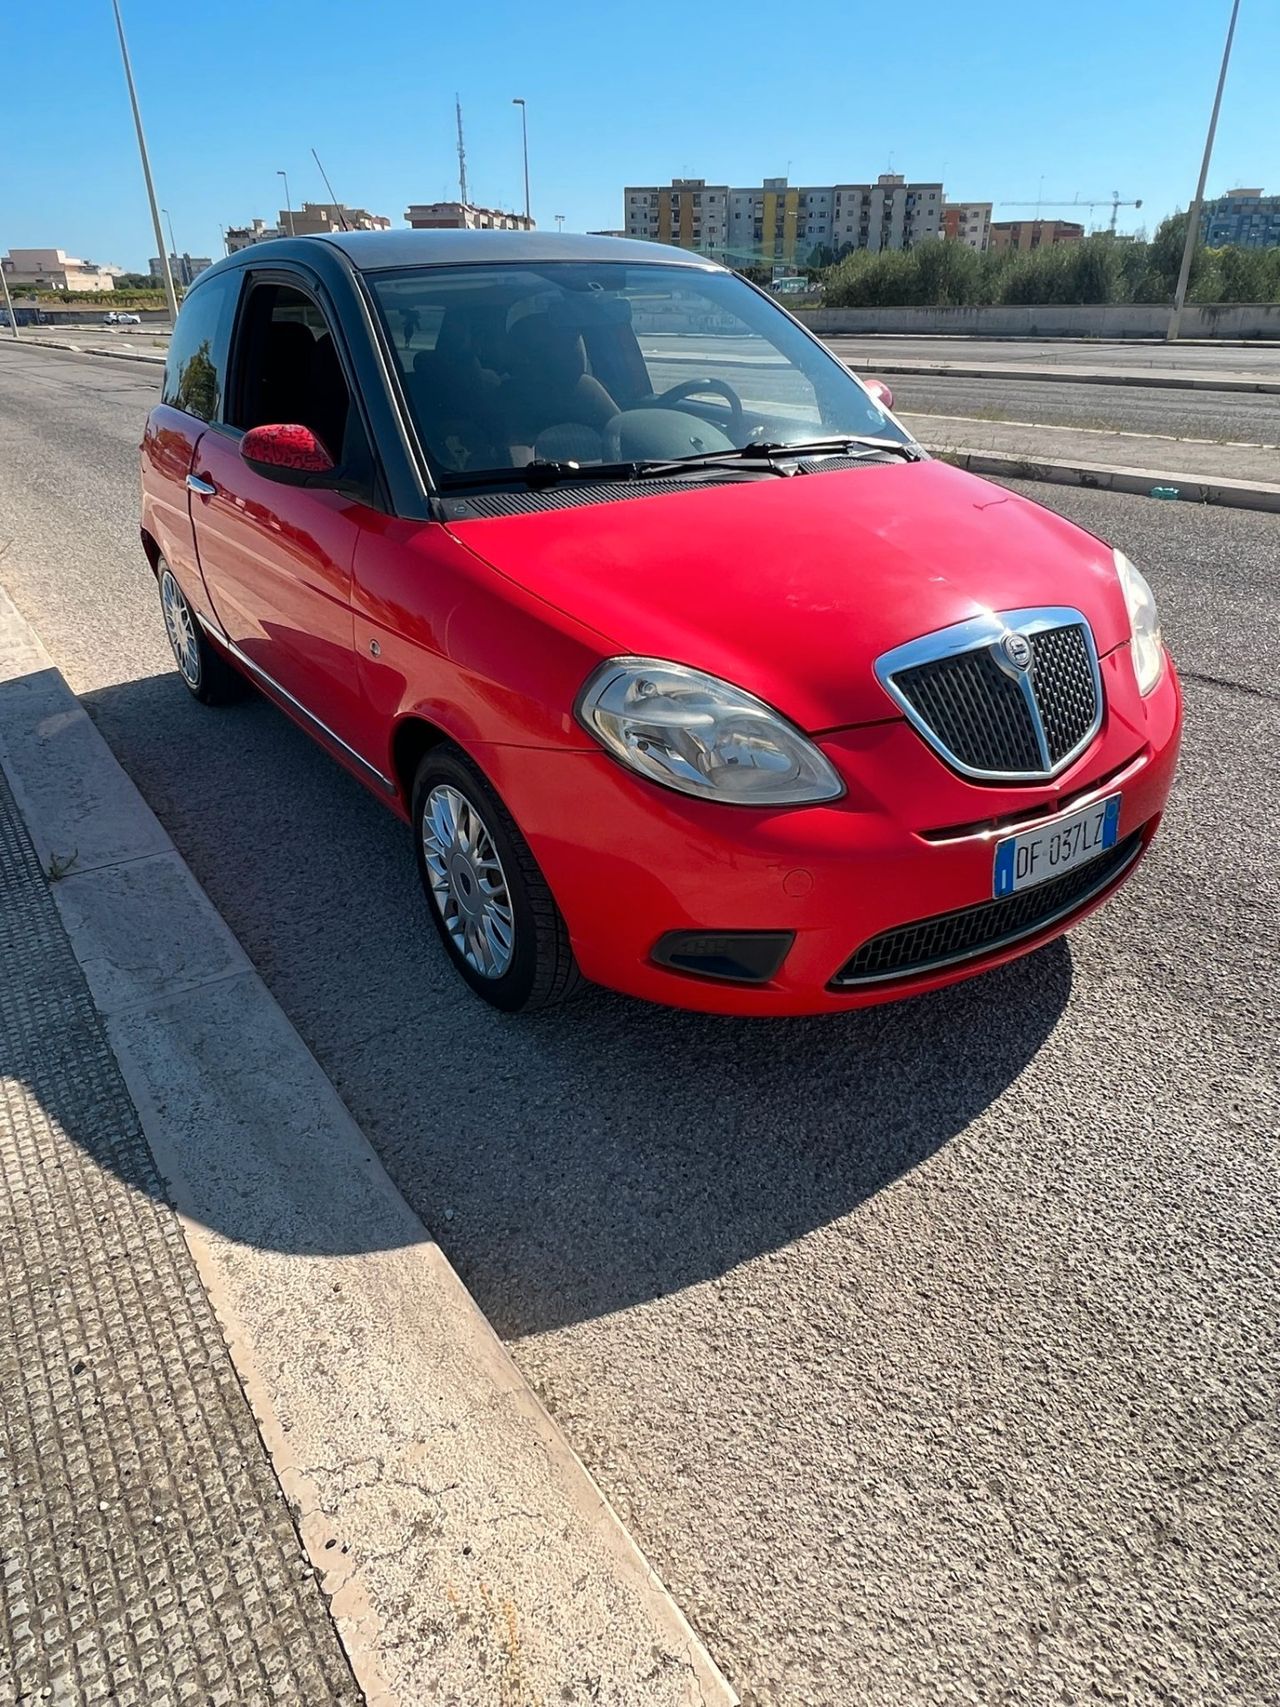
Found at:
(738, 957)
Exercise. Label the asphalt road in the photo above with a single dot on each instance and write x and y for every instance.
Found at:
(929, 1352)
(1202, 358)
(1221, 416)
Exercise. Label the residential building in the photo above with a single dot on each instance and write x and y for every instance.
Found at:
(315, 219)
(1245, 217)
(464, 216)
(780, 224)
(54, 269)
(237, 237)
(688, 212)
(967, 222)
(1033, 233)
(606, 234)
(182, 268)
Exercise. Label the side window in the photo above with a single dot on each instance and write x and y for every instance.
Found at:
(288, 371)
(193, 369)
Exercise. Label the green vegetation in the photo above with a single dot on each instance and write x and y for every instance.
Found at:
(125, 295)
(1100, 269)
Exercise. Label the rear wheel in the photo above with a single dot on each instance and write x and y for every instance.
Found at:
(207, 674)
(490, 903)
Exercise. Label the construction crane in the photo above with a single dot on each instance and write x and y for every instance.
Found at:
(1113, 201)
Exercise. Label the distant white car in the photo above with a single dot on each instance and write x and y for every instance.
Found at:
(122, 319)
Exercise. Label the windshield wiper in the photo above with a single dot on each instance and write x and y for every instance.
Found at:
(763, 455)
(757, 457)
(835, 443)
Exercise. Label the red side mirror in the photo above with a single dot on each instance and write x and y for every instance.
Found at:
(290, 453)
(880, 391)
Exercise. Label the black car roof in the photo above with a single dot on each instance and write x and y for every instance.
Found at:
(377, 251)
(369, 251)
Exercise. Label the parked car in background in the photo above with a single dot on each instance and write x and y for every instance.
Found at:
(693, 674)
(119, 317)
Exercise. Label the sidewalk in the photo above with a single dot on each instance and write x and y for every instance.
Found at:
(1239, 475)
(226, 1321)
(868, 361)
(148, 1552)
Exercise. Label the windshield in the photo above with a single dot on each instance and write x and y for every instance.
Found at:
(605, 362)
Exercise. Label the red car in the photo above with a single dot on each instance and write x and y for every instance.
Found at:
(693, 674)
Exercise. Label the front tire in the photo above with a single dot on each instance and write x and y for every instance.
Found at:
(489, 902)
(206, 674)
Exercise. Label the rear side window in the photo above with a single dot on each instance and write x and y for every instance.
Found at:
(194, 370)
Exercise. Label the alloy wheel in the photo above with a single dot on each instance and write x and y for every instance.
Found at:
(468, 884)
(180, 625)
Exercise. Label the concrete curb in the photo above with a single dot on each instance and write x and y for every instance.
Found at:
(1062, 376)
(465, 1552)
(83, 350)
(1194, 489)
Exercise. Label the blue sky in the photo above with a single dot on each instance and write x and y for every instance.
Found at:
(991, 95)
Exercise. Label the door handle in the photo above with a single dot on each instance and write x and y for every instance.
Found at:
(205, 488)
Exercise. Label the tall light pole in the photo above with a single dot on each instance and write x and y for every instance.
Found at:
(518, 101)
(173, 247)
(1193, 214)
(165, 275)
(288, 205)
(8, 302)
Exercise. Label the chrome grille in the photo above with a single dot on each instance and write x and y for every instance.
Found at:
(1062, 681)
(1010, 696)
(978, 711)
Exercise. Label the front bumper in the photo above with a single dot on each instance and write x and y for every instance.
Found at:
(629, 862)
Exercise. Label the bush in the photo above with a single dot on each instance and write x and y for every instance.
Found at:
(1099, 269)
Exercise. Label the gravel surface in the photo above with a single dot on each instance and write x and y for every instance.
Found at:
(929, 1352)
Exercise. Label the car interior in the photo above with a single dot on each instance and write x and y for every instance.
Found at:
(289, 369)
(497, 379)
(502, 372)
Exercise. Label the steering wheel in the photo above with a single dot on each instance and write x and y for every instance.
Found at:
(695, 387)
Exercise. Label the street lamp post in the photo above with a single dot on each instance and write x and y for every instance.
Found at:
(1193, 214)
(288, 205)
(518, 101)
(8, 302)
(165, 274)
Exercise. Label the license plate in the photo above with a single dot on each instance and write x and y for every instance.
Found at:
(1037, 855)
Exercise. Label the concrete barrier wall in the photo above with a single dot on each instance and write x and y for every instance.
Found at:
(1072, 320)
(61, 314)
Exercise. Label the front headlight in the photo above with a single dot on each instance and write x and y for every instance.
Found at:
(1144, 623)
(699, 735)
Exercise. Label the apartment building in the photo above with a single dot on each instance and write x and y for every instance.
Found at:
(688, 212)
(54, 269)
(1033, 233)
(967, 222)
(237, 237)
(464, 216)
(182, 268)
(778, 223)
(314, 219)
(1245, 217)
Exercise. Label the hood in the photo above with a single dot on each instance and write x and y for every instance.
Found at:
(792, 588)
